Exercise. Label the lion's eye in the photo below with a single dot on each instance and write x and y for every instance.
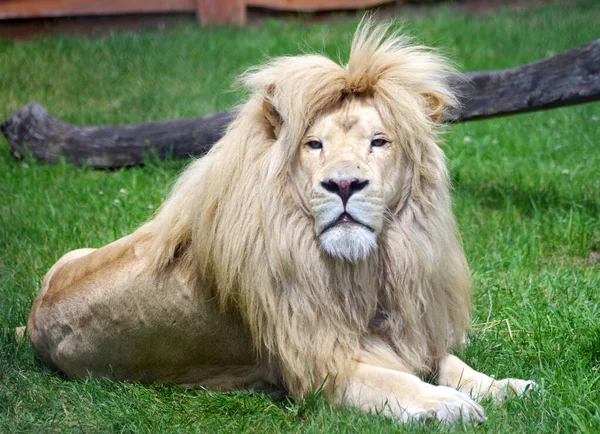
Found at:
(378, 142)
(315, 144)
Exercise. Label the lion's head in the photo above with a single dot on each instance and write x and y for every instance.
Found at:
(347, 173)
(351, 131)
(326, 202)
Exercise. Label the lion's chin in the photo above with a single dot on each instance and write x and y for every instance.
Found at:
(350, 242)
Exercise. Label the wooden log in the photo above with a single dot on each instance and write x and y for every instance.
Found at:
(33, 129)
(568, 78)
(571, 77)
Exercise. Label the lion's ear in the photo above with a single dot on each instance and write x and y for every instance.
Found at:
(436, 106)
(271, 114)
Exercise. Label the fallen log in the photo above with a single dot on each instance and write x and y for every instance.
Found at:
(568, 78)
(571, 77)
(32, 129)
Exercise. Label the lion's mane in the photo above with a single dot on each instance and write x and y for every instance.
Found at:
(234, 225)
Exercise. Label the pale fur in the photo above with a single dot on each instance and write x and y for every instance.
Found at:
(235, 212)
(236, 233)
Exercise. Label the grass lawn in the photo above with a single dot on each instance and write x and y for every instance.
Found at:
(527, 199)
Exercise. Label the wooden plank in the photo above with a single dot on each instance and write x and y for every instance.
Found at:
(315, 5)
(221, 12)
(571, 77)
(12, 9)
(209, 11)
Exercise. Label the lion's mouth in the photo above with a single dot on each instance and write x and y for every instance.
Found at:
(346, 219)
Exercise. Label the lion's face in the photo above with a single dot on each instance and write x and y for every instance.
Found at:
(348, 175)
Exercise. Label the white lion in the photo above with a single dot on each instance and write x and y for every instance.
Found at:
(314, 244)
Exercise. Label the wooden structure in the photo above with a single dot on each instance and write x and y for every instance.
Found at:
(15, 9)
(571, 77)
(208, 11)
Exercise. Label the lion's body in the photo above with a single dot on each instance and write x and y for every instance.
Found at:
(247, 275)
(98, 315)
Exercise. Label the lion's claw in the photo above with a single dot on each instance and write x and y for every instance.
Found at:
(449, 406)
(510, 387)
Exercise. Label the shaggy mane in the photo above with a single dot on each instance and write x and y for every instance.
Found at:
(235, 225)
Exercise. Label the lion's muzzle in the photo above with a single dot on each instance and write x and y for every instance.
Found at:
(344, 232)
(344, 188)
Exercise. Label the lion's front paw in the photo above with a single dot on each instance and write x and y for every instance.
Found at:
(510, 387)
(449, 405)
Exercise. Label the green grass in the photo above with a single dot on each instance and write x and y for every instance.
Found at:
(527, 199)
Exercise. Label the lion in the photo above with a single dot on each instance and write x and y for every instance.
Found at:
(313, 246)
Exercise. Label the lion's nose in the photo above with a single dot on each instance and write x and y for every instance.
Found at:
(344, 188)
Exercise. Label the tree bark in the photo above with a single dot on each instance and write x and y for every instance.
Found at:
(32, 129)
(571, 77)
(568, 78)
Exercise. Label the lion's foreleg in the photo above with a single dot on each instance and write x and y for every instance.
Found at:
(404, 397)
(453, 372)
